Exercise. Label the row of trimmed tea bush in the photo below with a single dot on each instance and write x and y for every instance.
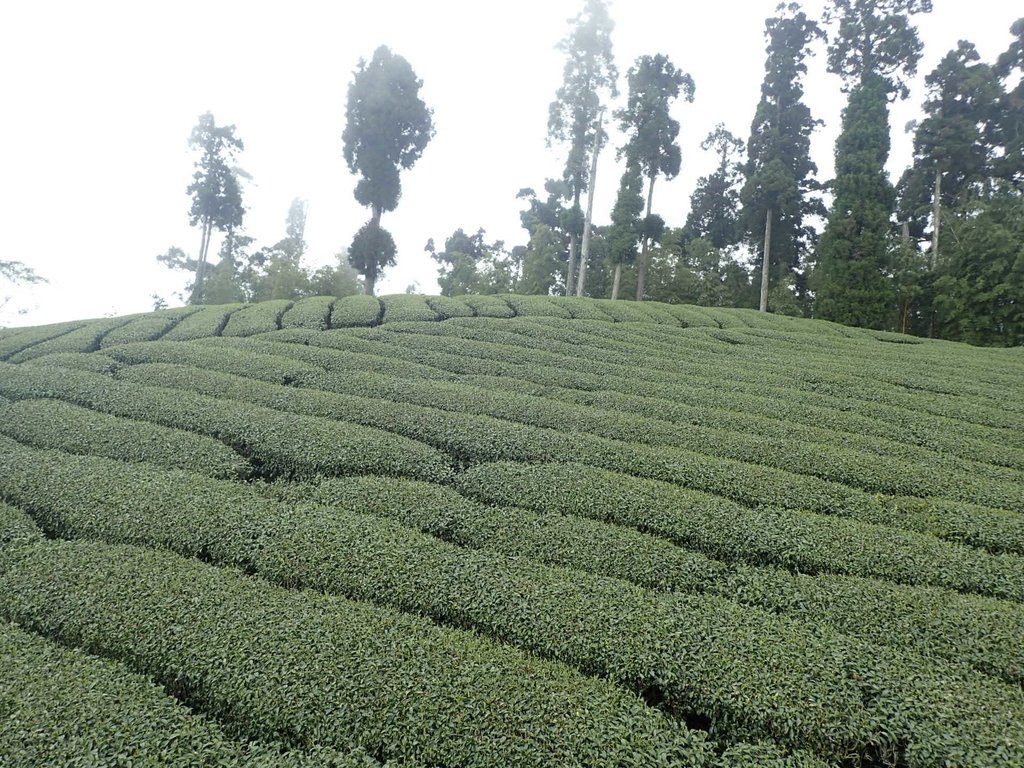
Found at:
(447, 307)
(313, 312)
(147, 327)
(71, 428)
(850, 391)
(697, 654)
(208, 321)
(533, 334)
(316, 670)
(85, 338)
(973, 442)
(241, 357)
(406, 307)
(261, 317)
(17, 339)
(356, 310)
(982, 632)
(276, 443)
(936, 477)
(64, 708)
(799, 541)
(471, 438)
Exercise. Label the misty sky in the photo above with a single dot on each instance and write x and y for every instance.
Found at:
(98, 100)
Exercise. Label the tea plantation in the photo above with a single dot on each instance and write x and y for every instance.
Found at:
(507, 531)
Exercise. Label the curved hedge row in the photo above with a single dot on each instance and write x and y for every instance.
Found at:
(147, 327)
(447, 307)
(18, 339)
(208, 321)
(940, 435)
(257, 318)
(356, 310)
(276, 443)
(979, 631)
(313, 312)
(16, 527)
(474, 439)
(86, 338)
(745, 375)
(316, 670)
(487, 306)
(791, 539)
(696, 654)
(57, 424)
(406, 307)
(64, 708)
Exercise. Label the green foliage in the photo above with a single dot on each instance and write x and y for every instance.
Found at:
(358, 310)
(447, 307)
(589, 77)
(275, 442)
(726, 530)
(17, 339)
(562, 615)
(979, 631)
(875, 38)
(612, 519)
(257, 318)
(55, 424)
(64, 707)
(85, 338)
(714, 204)
(371, 251)
(216, 194)
(17, 528)
(779, 172)
(525, 306)
(208, 321)
(387, 127)
(403, 307)
(147, 327)
(313, 312)
(330, 672)
(850, 280)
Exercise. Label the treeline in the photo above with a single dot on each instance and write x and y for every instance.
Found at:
(939, 254)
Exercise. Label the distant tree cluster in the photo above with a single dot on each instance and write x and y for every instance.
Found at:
(939, 254)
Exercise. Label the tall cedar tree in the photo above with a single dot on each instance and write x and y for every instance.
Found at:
(777, 194)
(654, 83)
(1011, 123)
(387, 128)
(715, 202)
(626, 227)
(954, 146)
(589, 78)
(216, 194)
(874, 50)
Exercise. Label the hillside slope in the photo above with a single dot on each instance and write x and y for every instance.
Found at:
(494, 531)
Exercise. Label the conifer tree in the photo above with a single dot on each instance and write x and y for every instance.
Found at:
(875, 49)
(777, 194)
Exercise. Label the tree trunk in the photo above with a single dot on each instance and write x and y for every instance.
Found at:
(617, 281)
(641, 271)
(936, 216)
(585, 250)
(370, 274)
(204, 247)
(570, 276)
(767, 260)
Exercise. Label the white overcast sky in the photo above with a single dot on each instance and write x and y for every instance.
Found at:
(98, 99)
